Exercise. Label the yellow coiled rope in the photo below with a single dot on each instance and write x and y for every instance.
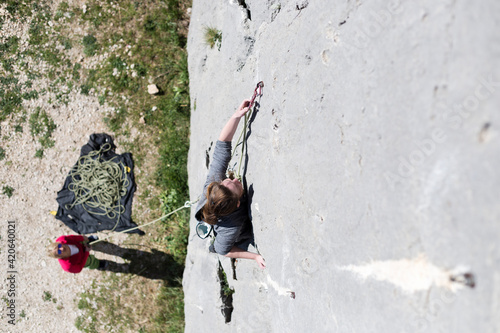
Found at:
(99, 185)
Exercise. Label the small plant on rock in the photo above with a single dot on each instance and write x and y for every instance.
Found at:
(213, 37)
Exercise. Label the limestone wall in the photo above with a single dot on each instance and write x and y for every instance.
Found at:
(373, 158)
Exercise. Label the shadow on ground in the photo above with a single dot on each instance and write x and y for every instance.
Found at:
(155, 265)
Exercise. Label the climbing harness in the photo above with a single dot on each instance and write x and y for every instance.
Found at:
(187, 204)
(257, 93)
(98, 185)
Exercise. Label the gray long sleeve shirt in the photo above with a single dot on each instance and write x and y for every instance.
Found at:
(232, 229)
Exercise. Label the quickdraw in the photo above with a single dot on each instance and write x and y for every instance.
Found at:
(257, 93)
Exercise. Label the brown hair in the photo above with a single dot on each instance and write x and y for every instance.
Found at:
(220, 202)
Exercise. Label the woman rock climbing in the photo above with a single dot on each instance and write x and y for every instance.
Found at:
(224, 201)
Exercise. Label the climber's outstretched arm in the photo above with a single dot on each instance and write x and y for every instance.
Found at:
(238, 253)
(227, 132)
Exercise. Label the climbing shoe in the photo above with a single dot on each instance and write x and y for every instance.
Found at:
(103, 264)
(93, 238)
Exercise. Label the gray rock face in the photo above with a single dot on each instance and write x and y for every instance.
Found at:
(373, 158)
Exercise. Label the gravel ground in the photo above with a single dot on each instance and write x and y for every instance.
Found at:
(36, 182)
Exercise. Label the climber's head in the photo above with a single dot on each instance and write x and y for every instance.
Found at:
(223, 198)
(234, 185)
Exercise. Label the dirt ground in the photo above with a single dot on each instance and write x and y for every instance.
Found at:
(36, 183)
(44, 295)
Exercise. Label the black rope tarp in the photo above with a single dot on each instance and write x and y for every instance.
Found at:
(85, 219)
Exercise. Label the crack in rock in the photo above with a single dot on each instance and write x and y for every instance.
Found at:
(226, 294)
(245, 9)
(249, 42)
(207, 155)
(302, 4)
(276, 8)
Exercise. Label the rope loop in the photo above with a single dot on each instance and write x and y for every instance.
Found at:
(99, 185)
